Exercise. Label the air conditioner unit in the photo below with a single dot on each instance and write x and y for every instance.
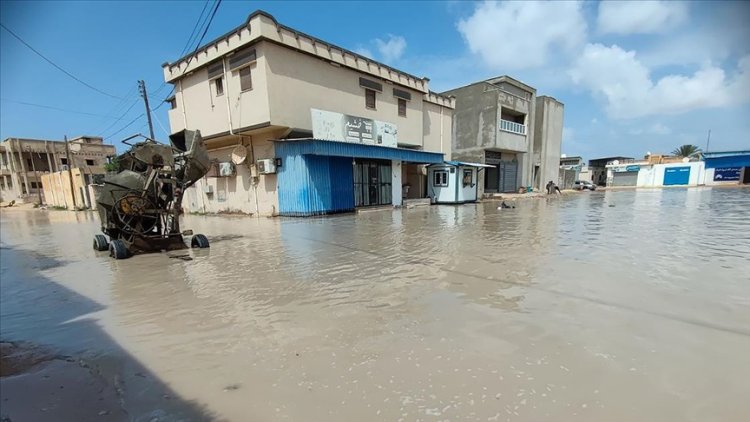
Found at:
(266, 166)
(208, 189)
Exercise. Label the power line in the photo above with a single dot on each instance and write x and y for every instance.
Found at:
(125, 127)
(137, 100)
(55, 64)
(200, 41)
(57, 108)
(195, 30)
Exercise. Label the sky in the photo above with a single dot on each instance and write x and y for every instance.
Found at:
(635, 77)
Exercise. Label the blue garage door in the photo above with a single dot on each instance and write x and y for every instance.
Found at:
(676, 176)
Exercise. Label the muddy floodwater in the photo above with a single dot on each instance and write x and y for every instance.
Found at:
(603, 306)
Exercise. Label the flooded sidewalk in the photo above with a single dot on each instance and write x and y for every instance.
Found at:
(617, 306)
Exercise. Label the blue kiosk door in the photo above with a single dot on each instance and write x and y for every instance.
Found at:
(676, 176)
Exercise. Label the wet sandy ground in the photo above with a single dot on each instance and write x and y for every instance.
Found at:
(616, 306)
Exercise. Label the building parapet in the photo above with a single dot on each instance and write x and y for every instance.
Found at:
(261, 26)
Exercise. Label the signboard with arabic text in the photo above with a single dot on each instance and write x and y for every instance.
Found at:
(331, 126)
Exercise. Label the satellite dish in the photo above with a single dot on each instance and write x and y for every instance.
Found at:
(685, 160)
(239, 154)
(616, 162)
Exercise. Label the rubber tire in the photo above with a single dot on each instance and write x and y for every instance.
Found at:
(117, 249)
(199, 241)
(100, 243)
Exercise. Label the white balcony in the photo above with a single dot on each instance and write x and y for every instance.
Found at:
(512, 127)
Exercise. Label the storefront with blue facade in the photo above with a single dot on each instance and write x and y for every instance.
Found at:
(727, 167)
(318, 177)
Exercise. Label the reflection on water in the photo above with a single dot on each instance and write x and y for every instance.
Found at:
(606, 305)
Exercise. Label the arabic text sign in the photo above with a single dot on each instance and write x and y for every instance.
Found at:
(332, 126)
(727, 174)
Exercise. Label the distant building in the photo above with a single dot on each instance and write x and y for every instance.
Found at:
(24, 161)
(727, 167)
(598, 168)
(501, 122)
(571, 162)
(313, 128)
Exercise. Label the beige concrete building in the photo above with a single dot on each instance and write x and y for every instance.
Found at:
(264, 83)
(502, 122)
(23, 162)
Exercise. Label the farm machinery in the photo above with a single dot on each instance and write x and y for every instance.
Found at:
(140, 202)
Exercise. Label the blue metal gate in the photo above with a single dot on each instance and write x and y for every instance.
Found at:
(676, 176)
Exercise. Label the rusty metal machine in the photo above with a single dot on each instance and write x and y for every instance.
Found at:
(139, 205)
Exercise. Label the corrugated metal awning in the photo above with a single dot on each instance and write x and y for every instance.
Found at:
(467, 164)
(350, 149)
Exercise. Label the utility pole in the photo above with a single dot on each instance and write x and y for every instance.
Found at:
(144, 94)
(708, 141)
(70, 173)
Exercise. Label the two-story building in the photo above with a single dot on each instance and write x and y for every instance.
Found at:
(23, 162)
(502, 122)
(299, 126)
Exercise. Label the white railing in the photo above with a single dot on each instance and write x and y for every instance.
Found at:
(512, 127)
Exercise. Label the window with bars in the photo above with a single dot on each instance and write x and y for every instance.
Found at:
(402, 107)
(440, 178)
(370, 98)
(219, 85)
(246, 81)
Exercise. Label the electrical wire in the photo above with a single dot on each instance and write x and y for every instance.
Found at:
(196, 29)
(125, 127)
(56, 65)
(137, 100)
(57, 108)
(200, 41)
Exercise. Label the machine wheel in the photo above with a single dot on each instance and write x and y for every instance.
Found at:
(100, 242)
(199, 241)
(117, 249)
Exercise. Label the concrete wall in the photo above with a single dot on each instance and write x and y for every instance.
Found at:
(57, 189)
(298, 82)
(245, 192)
(653, 176)
(476, 125)
(437, 128)
(198, 106)
(548, 127)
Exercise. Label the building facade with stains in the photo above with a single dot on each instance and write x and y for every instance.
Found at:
(502, 122)
(263, 85)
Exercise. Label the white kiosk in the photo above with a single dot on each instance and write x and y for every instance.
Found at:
(453, 182)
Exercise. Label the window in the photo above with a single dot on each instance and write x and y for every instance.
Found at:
(33, 185)
(63, 161)
(28, 162)
(219, 84)
(246, 80)
(468, 178)
(172, 103)
(89, 162)
(402, 107)
(440, 178)
(369, 98)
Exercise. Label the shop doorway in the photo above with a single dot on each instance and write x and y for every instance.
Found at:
(372, 183)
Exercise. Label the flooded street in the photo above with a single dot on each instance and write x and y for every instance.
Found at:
(617, 306)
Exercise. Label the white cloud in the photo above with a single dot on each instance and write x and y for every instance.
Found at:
(626, 85)
(392, 49)
(640, 17)
(363, 52)
(519, 35)
(655, 129)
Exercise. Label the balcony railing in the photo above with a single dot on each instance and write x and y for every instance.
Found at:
(512, 127)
